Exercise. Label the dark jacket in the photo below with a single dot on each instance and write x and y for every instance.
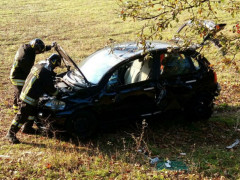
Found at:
(39, 81)
(23, 62)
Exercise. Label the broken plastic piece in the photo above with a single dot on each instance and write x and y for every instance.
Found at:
(154, 160)
(174, 165)
(139, 150)
(168, 164)
(183, 154)
(233, 145)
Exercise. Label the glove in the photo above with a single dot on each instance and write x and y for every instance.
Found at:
(54, 44)
(48, 48)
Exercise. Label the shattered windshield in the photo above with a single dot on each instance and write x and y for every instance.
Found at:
(96, 65)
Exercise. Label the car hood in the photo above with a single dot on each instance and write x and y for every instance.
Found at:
(74, 80)
(68, 61)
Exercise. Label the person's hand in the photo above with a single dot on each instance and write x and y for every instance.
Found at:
(54, 44)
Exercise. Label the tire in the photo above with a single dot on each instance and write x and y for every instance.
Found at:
(201, 108)
(82, 124)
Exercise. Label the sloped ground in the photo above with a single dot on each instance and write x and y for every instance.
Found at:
(115, 153)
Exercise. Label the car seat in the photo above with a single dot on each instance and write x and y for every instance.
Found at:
(132, 72)
(144, 71)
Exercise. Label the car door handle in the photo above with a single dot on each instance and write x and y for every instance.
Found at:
(148, 89)
(191, 81)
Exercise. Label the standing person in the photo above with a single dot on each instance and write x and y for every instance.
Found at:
(39, 81)
(23, 62)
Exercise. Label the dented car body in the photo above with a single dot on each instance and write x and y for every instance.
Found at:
(121, 83)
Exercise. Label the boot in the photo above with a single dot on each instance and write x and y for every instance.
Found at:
(28, 129)
(11, 135)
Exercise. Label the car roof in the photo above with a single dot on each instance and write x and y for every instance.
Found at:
(129, 49)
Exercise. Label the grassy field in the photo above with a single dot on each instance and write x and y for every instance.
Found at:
(81, 27)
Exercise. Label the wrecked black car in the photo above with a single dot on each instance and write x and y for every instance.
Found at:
(121, 82)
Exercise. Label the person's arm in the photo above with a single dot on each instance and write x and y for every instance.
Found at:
(27, 60)
(49, 83)
(49, 47)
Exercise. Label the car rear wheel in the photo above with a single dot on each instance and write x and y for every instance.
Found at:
(200, 109)
(82, 124)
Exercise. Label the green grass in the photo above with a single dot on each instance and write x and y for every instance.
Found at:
(82, 27)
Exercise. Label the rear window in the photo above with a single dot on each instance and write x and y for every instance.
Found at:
(177, 64)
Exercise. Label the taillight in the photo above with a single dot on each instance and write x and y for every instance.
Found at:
(215, 77)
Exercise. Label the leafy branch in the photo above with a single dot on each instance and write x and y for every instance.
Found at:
(159, 15)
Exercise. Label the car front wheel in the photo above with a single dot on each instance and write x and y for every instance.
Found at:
(82, 124)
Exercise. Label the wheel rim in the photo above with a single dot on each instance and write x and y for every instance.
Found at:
(80, 124)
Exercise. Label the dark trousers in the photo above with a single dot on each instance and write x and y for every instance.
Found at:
(17, 92)
(26, 113)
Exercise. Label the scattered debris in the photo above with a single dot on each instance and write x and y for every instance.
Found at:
(183, 154)
(167, 164)
(154, 160)
(27, 152)
(139, 150)
(172, 165)
(234, 144)
(4, 157)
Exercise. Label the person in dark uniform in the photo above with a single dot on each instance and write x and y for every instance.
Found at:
(23, 62)
(39, 81)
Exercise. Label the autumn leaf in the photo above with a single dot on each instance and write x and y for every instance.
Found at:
(226, 60)
(128, 170)
(48, 165)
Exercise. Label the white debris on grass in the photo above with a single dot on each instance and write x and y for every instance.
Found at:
(168, 164)
(4, 157)
(154, 160)
(234, 144)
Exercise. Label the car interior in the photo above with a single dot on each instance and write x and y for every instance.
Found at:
(175, 64)
(138, 71)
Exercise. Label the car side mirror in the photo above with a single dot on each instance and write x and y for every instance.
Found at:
(113, 82)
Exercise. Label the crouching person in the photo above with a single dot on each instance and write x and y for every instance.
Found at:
(39, 81)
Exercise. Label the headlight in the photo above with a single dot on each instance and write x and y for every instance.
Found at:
(55, 104)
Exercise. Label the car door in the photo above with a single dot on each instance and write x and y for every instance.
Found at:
(130, 90)
(180, 74)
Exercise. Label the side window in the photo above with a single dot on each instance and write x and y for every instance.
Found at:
(138, 70)
(175, 64)
(132, 73)
(135, 71)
